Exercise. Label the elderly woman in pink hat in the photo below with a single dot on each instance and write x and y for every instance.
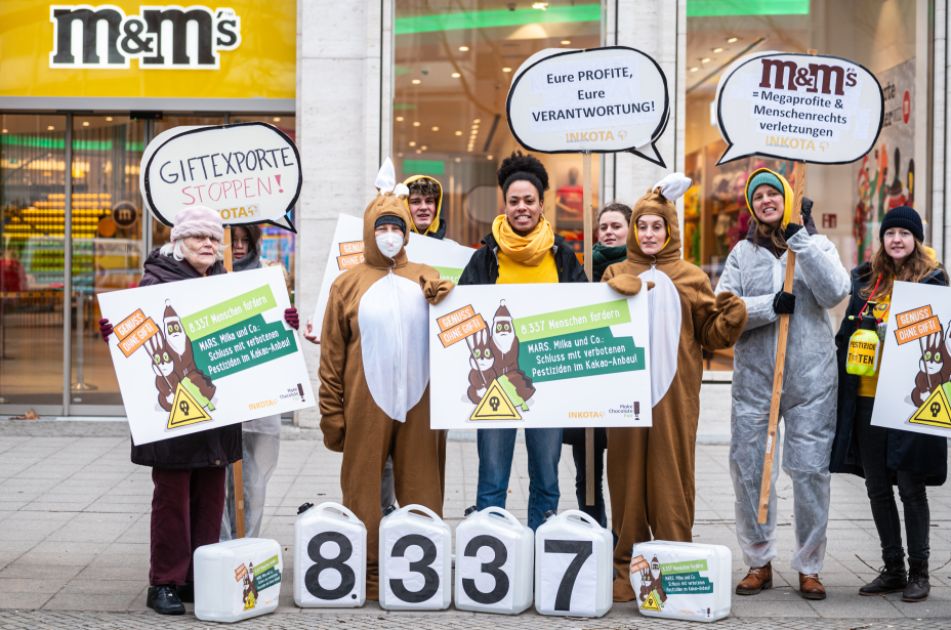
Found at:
(188, 471)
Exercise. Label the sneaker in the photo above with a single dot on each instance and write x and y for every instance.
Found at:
(757, 579)
(164, 600)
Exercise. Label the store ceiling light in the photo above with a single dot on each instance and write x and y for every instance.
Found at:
(566, 42)
(717, 50)
(424, 147)
(85, 123)
(457, 160)
(6, 131)
(490, 157)
(732, 40)
(506, 69)
(476, 121)
(415, 81)
(416, 123)
(705, 60)
(276, 119)
(418, 151)
(458, 133)
(108, 118)
(50, 127)
(463, 49)
(540, 6)
(400, 119)
(456, 75)
(435, 128)
(695, 69)
(412, 143)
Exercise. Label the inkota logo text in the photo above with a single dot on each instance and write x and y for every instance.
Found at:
(169, 37)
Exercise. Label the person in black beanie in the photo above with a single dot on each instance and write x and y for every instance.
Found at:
(885, 457)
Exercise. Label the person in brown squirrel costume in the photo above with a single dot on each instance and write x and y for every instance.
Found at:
(374, 372)
(651, 471)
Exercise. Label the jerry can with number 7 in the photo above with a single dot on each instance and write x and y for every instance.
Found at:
(574, 568)
(415, 560)
(495, 557)
(679, 580)
(237, 579)
(330, 557)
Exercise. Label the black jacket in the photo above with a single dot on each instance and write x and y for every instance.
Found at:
(216, 447)
(483, 267)
(906, 451)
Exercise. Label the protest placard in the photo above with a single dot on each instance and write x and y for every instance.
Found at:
(598, 100)
(508, 356)
(914, 374)
(204, 353)
(346, 250)
(248, 172)
(811, 108)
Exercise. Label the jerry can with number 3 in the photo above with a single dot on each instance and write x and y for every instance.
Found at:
(574, 570)
(495, 556)
(330, 557)
(415, 560)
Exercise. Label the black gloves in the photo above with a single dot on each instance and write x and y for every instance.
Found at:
(791, 229)
(784, 303)
(807, 220)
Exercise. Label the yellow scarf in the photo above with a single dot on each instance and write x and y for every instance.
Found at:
(525, 259)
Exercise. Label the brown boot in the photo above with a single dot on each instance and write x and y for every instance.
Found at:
(810, 587)
(756, 580)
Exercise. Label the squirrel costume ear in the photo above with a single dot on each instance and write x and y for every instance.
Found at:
(673, 186)
(386, 180)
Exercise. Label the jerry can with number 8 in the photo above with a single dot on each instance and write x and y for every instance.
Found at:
(415, 560)
(494, 563)
(330, 557)
(574, 569)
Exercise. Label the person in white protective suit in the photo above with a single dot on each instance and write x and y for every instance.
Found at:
(755, 270)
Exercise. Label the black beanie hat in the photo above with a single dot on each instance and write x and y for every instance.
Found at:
(390, 219)
(902, 217)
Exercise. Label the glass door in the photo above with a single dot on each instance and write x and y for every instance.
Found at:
(32, 255)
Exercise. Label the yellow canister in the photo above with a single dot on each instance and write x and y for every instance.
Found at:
(862, 359)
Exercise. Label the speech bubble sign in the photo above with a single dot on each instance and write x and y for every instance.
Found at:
(247, 172)
(599, 100)
(810, 108)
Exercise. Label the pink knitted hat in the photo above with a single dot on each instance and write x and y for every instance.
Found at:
(198, 221)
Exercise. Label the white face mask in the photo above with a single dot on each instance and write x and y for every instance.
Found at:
(390, 243)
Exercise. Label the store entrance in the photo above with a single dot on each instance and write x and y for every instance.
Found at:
(72, 226)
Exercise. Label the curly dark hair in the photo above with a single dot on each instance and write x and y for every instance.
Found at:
(425, 187)
(520, 166)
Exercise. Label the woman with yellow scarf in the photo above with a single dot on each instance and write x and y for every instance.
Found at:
(522, 248)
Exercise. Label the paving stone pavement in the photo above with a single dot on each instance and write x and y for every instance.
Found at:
(74, 532)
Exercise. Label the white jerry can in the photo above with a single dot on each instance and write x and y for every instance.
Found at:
(678, 580)
(415, 560)
(237, 579)
(573, 566)
(494, 559)
(330, 557)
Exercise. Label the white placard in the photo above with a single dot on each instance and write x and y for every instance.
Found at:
(248, 172)
(600, 100)
(530, 356)
(811, 108)
(201, 354)
(346, 250)
(914, 381)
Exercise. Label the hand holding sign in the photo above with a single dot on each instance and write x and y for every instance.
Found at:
(248, 172)
(810, 108)
(599, 100)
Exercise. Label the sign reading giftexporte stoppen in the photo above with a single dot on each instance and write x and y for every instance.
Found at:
(248, 172)
(600, 100)
(914, 380)
(809, 108)
(204, 353)
(508, 356)
(346, 251)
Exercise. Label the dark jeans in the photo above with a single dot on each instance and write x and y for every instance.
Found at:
(595, 511)
(186, 514)
(873, 443)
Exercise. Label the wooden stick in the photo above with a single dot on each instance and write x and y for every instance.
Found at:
(767, 480)
(587, 217)
(237, 468)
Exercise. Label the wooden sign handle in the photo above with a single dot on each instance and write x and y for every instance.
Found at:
(588, 218)
(765, 488)
(237, 468)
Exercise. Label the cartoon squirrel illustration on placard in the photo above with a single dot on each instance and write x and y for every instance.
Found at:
(167, 377)
(934, 366)
(482, 361)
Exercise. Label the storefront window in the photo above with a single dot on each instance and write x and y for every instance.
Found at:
(453, 67)
(32, 180)
(884, 36)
